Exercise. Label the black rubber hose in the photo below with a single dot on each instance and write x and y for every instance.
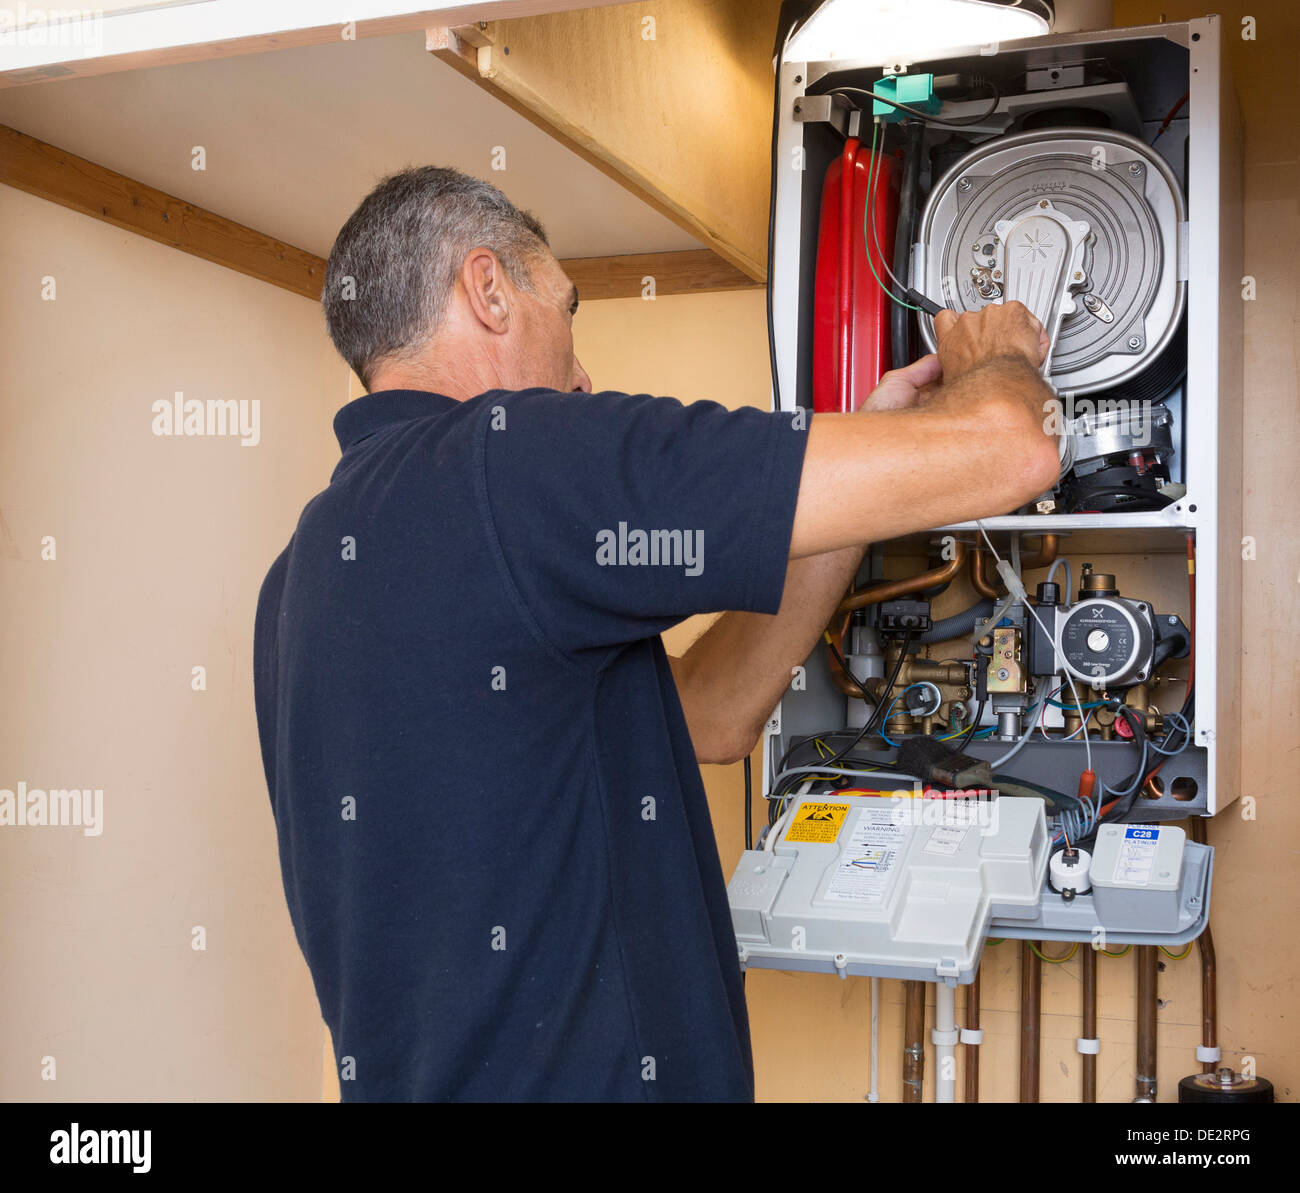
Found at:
(958, 625)
(904, 228)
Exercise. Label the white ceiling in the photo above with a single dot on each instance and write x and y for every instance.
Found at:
(295, 138)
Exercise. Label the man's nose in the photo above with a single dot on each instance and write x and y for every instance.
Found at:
(580, 379)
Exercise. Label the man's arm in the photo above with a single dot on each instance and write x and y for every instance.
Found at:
(733, 676)
(735, 673)
(874, 475)
(976, 446)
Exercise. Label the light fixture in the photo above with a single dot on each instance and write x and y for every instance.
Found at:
(886, 32)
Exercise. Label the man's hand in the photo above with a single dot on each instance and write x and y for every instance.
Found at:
(902, 388)
(1004, 329)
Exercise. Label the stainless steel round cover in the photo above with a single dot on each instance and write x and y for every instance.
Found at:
(1126, 294)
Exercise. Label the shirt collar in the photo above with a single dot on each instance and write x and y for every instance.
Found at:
(366, 415)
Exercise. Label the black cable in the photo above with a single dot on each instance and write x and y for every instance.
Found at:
(900, 317)
(955, 122)
(776, 797)
(965, 738)
(749, 806)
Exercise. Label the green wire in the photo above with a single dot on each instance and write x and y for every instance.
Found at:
(1128, 948)
(1178, 956)
(1074, 948)
(872, 175)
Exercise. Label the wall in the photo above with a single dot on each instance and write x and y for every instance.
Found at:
(160, 547)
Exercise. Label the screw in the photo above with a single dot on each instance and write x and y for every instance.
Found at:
(963, 184)
(997, 273)
(1135, 342)
(1173, 621)
(1078, 276)
(1042, 203)
(1003, 673)
(1135, 168)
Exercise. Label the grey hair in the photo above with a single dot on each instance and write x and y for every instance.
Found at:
(394, 264)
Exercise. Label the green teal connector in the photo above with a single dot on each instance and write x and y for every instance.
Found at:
(917, 91)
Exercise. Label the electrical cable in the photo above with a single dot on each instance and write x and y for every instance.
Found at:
(1074, 691)
(749, 806)
(938, 122)
(1061, 561)
(970, 732)
(1074, 948)
(869, 236)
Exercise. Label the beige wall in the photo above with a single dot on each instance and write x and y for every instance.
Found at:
(161, 546)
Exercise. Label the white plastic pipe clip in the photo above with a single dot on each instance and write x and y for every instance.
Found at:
(1203, 1053)
(1088, 1047)
(972, 1035)
(943, 1037)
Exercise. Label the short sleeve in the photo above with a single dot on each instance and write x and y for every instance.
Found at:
(618, 515)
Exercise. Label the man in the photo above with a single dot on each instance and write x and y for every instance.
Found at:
(496, 849)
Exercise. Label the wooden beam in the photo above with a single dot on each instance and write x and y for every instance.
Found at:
(61, 177)
(693, 271)
(670, 98)
(166, 33)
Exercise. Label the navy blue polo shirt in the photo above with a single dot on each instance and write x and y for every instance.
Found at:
(496, 849)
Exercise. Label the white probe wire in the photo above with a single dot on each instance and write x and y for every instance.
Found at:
(1087, 743)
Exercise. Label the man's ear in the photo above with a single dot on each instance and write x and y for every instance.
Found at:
(486, 289)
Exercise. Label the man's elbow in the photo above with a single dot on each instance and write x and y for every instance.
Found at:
(724, 742)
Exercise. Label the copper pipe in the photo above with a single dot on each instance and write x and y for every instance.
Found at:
(979, 578)
(842, 681)
(971, 1053)
(982, 573)
(1147, 961)
(891, 589)
(1209, 971)
(913, 1042)
(1031, 991)
(1089, 1021)
(1043, 557)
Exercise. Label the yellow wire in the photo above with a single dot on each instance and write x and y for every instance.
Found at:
(1178, 956)
(1122, 953)
(1074, 948)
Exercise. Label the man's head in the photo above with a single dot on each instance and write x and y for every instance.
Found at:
(437, 281)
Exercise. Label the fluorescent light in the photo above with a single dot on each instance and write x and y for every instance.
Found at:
(884, 32)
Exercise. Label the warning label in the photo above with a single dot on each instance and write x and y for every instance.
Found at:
(869, 860)
(817, 823)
